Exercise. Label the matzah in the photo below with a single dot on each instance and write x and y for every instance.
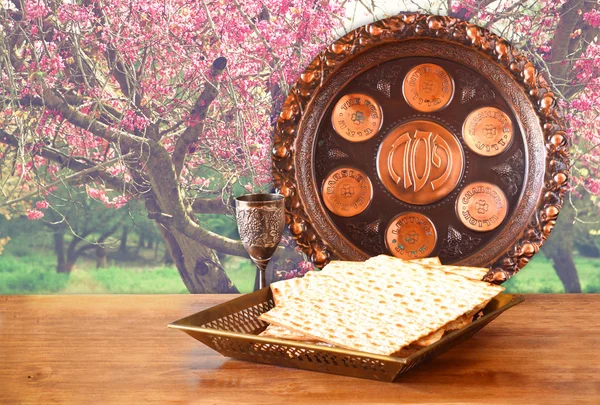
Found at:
(285, 333)
(379, 310)
(475, 273)
(282, 289)
(287, 288)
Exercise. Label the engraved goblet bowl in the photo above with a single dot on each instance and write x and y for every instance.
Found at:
(260, 220)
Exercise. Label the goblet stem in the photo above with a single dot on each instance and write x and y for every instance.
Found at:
(260, 281)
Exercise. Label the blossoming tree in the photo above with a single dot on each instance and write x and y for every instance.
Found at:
(168, 102)
(172, 102)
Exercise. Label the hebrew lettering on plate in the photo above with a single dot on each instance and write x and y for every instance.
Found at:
(420, 162)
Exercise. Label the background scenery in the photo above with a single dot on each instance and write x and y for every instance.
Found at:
(127, 128)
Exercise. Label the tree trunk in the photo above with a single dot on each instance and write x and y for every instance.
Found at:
(64, 265)
(559, 249)
(141, 244)
(72, 254)
(167, 258)
(101, 257)
(560, 65)
(67, 267)
(59, 250)
(123, 244)
(198, 266)
(156, 245)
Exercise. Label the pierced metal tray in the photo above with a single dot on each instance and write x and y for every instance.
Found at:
(231, 329)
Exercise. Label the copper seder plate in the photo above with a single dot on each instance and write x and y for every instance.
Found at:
(417, 136)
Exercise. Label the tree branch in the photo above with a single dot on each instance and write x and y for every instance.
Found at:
(174, 212)
(209, 239)
(117, 68)
(98, 242)
(210, 206)
(464, 11)
(258, 34)
(111, 118)
(501, 15)
(214, 241)
(197, 115)
(77, 252)
(54, 101)
(77, 176)
(71, 250)
(68, 162)
(559, 66)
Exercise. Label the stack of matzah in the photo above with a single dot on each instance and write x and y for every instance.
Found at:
(378, 306)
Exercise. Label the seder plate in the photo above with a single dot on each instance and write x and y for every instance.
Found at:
(422, 136)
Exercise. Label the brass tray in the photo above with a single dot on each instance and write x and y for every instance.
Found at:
(231, 329)
(356, 171)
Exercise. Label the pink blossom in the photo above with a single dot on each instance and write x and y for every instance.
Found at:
(202, 182)
(42, 205)
(34, 214)
(592, 18)
(96, 193)
(305, 266)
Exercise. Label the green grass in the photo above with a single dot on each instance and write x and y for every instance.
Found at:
(147, 280)
(539, 277)
(242, 272)
(35, 273)
(29, 275)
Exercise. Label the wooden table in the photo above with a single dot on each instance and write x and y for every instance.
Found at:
(117, 350)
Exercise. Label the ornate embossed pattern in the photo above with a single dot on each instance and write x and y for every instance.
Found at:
(382, 79)
(334, 154)
(481, 206)
(473, 88)
(366, 235)
(510, 172)
(409, 26)
(261, 226)
(458, 244)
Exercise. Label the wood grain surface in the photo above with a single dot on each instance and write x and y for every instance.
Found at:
(117, 349)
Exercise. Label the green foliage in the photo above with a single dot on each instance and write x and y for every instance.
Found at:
(28, 266)
(25, 236)
(36, 274)
(30, 274)
(221, 224)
